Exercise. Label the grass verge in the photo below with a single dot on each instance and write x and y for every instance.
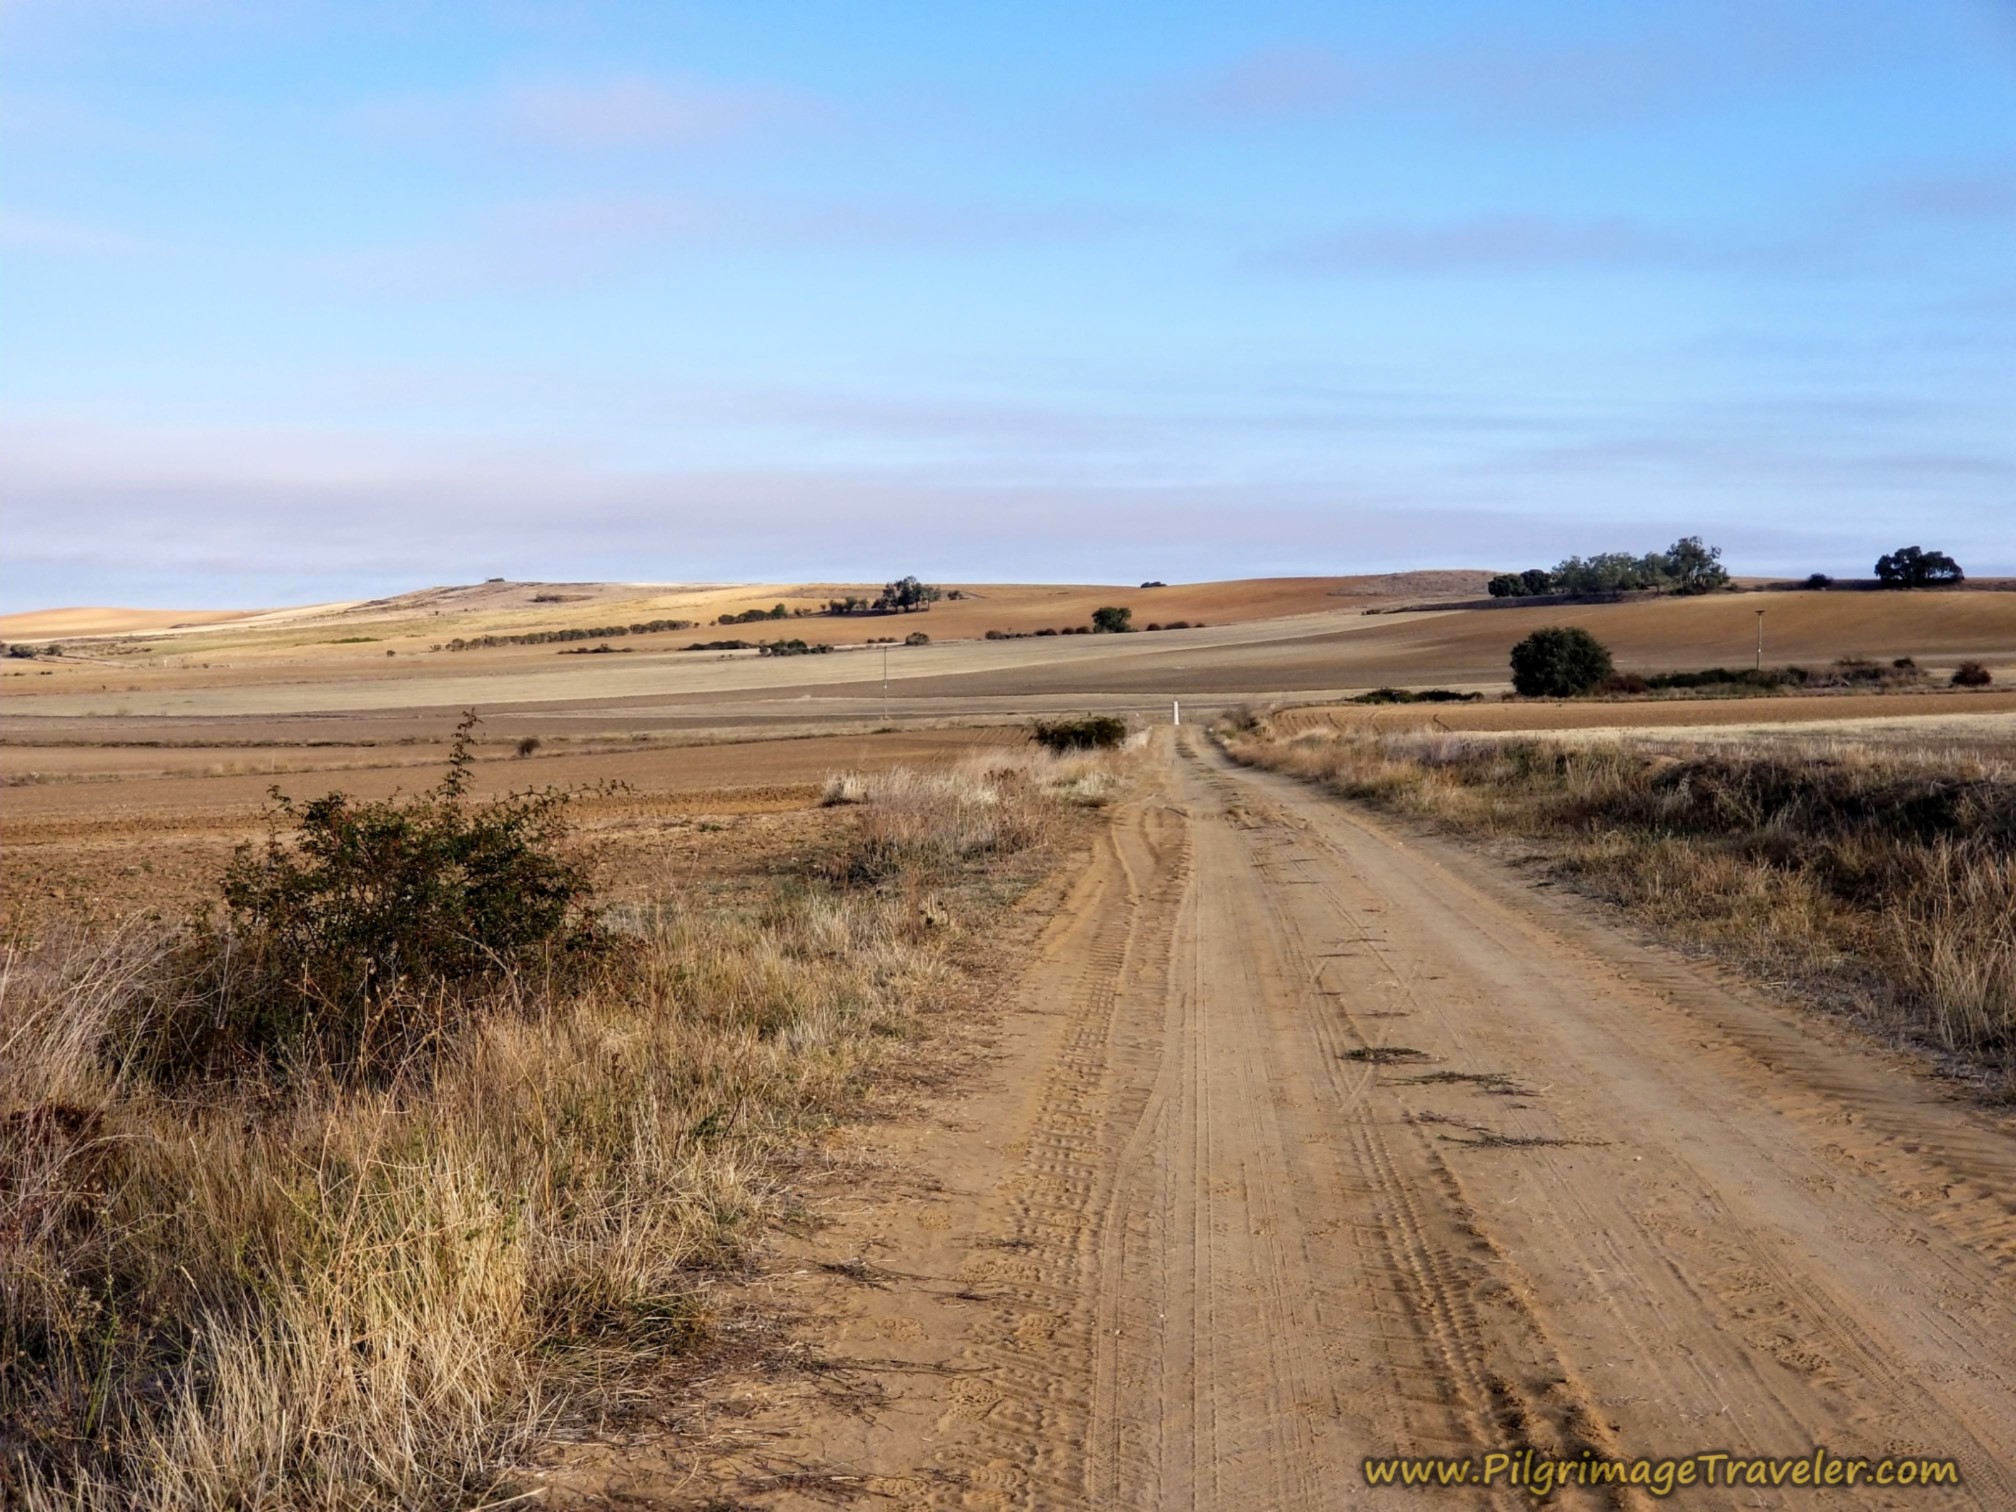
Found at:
(313, 1291)
(1871, 878)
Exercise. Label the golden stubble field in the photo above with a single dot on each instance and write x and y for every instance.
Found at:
(134, 762)
(1291, 638)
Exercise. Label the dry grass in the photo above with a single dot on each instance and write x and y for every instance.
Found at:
(1002, 802)
(338, 1296)
(1868, 875)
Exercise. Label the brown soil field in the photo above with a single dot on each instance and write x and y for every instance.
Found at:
(168, 765)
(412, 621)
(108, 843)
(273, 692)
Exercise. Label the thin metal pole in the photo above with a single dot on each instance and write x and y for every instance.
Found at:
(1760, 640)
(885, 683)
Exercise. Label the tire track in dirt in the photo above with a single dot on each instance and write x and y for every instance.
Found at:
(1351, 1145)
(1771, 1321)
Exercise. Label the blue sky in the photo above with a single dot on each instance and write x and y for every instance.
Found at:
(307, 300)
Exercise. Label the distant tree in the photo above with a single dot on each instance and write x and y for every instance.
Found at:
(1531, 583)
(1607, 572)
(1818, 580)
(1691, 567)
(1112, 620)
(906, 594)
(1155, 583)
(1972, 674)
(1559, 662)
(916, 638)
(1687, 566)
(1914, 567)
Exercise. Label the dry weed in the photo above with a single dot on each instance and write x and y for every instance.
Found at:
(326, 1294)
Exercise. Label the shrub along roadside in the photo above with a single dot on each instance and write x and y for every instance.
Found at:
(316, 1290)
(1866, 877)
(1088, 732)
(360, 941)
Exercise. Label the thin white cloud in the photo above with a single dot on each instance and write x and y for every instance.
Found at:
(1496, 243)
(1649, 61)
(593, 113)
(31, 231)
(1981, 193)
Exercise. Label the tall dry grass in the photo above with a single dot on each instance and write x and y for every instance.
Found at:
(327, 1294)
(998, 803)
(1869, 874)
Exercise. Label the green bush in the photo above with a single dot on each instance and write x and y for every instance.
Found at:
(360, 941)
(1411, 695)
(1090, 732)
(1562, 661)
(1112, 620)
(1766, 678)
(792, 647)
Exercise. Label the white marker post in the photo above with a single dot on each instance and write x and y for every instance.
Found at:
(1175, 711)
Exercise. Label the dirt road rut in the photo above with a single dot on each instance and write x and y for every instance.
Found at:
(1332, 1142)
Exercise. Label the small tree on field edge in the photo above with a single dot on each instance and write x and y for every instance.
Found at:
(1915, 567)
(1562, 661)
(1112, 620)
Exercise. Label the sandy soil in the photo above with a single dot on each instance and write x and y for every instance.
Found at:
(1308, 1139)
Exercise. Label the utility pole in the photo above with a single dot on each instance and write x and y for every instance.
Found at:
(885, 681)
(1760, 640)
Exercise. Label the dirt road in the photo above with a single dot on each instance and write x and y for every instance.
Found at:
(1314, 1140)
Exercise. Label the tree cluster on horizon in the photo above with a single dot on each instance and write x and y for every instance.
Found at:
(1687, 566)
(1915, 567)
(900, 597)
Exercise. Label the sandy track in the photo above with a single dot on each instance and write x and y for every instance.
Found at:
(1212, 1237)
